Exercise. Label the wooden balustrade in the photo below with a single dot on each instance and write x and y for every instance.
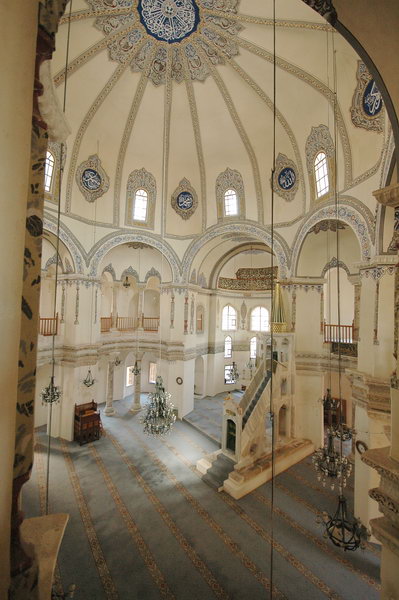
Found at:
(126, 323)
(150, 323)
(106, 324)
(130, 323)
(48, 325)
(338, 333)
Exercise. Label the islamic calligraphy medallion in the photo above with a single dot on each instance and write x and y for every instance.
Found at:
(367, 103)
(91, 178)
(146, 28)
(285, 178)
(184, 199)
(169, 20)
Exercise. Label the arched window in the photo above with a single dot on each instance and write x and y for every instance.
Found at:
(140, 206)
(321, 174)
(252, 347)
(260, 319)
(229, 318)
(230, 203)
(48, 171)
(200, 319)
(227, 347)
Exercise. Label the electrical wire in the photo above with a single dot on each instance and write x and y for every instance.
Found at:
(57, 250)
(271, 412)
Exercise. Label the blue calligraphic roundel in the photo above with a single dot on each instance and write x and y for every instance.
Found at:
(185, 200)
(91, 179)
(169, 20)
(286, 178)
(372, 99)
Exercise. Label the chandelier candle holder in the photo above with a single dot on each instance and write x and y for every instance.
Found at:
(135, 370)
(88, 381)
(329, 402)
(346, 533)
(234, 373)
(330, 465)
(160, 417)
(50, 394)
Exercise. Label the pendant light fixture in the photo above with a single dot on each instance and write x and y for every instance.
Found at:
(343, 530)
(126, 283)
(160, 414)
(88, 381)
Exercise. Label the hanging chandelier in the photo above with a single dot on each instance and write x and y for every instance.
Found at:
(135, 370)
(51, 393)
(126, 283)
(330, 464)
(345, 533)
(89, 380)
(234, 373)
(330, 403)
(160, 416)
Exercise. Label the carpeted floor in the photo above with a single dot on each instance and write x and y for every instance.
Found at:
(143, 525)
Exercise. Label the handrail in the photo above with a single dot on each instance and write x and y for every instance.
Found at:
(48, 325)
(338, 333)
(106, 324)
(253, 386)
(150, 323)
(126, 323)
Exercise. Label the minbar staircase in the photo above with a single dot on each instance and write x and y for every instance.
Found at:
(255, 398)
(219, 471)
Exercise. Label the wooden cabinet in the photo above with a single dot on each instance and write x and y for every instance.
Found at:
(87, 423)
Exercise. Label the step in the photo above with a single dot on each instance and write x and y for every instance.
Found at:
(219, 471)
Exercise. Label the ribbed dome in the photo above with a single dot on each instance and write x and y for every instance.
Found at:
(188, 85)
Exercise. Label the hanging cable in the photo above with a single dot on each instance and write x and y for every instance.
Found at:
(271, 411)
(53, 393)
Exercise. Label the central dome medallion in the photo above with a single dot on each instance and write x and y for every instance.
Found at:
(169, 20)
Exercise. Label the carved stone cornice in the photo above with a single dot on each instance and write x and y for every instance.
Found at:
(388, 196)
(385, 529)
(371, 392)
(322, 362)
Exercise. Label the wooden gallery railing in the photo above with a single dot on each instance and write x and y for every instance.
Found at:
(338, 333)
(130, 323)
(48, 325)
(106, 324)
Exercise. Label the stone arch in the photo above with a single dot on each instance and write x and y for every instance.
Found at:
(116, 239)
(347, 213)
(258, 232)
(66, 236)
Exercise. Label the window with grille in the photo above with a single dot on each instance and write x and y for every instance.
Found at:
(229, 318)
(321, 174)
(228, 347)
(260, 319)
(129, 375)
(152, 372)
(140, 206)
(48, 171)
(252, 347)
(230, 203)
(228, 374)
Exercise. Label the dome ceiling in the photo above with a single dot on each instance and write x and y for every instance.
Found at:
(179, 93)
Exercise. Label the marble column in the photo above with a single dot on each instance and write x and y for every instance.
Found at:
(109, 410)
(136, 406)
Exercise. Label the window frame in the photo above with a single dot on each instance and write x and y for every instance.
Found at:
(230, 193)
(152, 370)
(47, 165)
(129, 376)
(137, 197)
(228, 380)
(321, 174)
(252, 347)
(228, 346)
(260, 329)
(229, 318)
